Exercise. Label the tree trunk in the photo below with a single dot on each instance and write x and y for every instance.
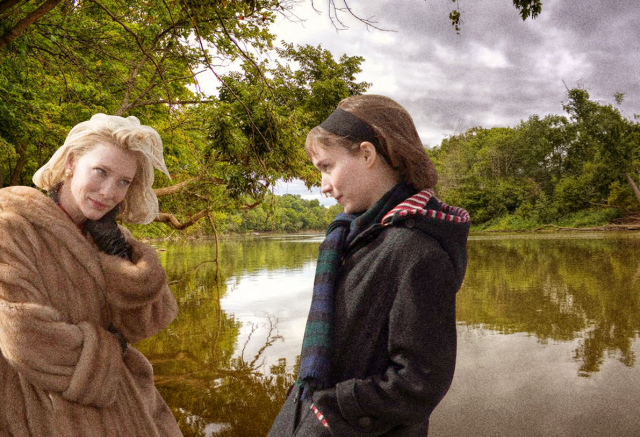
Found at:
(635, 188)
(22, 158)
(21, 27)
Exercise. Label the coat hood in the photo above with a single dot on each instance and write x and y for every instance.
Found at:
(449, 225)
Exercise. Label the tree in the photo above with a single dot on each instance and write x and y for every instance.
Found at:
(605, 137)
(132, 58)
(143, 58)
(62, 61)
(543, 168)
(29, 13)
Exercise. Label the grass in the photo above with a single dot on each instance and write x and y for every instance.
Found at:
(580, 219)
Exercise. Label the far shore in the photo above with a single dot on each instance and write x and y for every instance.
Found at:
(545, 229)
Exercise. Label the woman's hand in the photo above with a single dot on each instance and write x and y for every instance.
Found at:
(108, 236)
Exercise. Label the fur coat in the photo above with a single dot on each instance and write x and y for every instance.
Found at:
(62, 373)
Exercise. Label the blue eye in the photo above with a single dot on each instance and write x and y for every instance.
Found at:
(100, 171)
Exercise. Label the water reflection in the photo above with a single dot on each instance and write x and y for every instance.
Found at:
(558, 289)
(547, 330)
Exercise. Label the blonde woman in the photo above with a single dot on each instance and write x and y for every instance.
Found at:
(75, 289)
(379, 347)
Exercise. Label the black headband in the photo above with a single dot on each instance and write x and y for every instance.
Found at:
(345, 124)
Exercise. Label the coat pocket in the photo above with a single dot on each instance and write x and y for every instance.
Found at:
(312, 422)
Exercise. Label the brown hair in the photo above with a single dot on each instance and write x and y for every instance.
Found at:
(399, 141)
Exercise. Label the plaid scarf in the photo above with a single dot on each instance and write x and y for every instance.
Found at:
(315, 368)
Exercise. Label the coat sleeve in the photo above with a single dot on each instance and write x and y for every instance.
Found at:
(81, 362)
(141, 301)
(421, 349)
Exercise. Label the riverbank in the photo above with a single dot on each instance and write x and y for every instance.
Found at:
(610, 219)
(201, 236)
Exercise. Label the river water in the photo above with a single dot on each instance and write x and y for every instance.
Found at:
(548, 329)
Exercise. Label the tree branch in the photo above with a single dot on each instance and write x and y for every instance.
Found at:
(174, 102)
(245, 55)
(334, 10)
(174, 189)
(5, 5)
(251, 206)
(236, 96)
(170, 219)
(21, 27)
(634, 187)
(177, 188)
(140, 46)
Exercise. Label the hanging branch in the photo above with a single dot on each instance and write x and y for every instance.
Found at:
(123, 109)
(245, 55)
(174, 189)
(215, 232)
(334, 17)
(21, 27)
(235, 95)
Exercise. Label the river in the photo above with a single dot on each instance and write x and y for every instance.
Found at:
(548, 328)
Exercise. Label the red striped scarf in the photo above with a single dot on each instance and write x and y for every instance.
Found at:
(416, 205)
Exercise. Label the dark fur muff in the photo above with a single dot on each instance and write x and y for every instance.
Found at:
(107, 236)
(105, 232)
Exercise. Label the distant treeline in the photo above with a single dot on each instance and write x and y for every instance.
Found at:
(288, 213)
(582, 166)
(579, 169)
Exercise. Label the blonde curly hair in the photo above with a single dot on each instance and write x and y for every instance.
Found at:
(140, 205)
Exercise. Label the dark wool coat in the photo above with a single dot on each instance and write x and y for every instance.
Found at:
(62, 373)
(394, 333)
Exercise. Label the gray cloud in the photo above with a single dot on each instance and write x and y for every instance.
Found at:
(499, 70)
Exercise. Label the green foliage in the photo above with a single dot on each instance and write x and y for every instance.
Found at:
(538, 218)
(124, 58)
(572, 194)
(528, 8)
(142, 59)
(331, 213)
(588, 218)
(287, 213)
(622, 196)
(542, 169)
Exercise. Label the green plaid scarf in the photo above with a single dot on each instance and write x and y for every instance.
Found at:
(315, 370)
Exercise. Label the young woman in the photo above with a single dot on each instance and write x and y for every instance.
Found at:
(75, 288)
(380, 343)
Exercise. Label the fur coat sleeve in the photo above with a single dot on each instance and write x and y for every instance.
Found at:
(80, 361)
(140, 299)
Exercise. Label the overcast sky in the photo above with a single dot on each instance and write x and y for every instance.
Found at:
(497, 72)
